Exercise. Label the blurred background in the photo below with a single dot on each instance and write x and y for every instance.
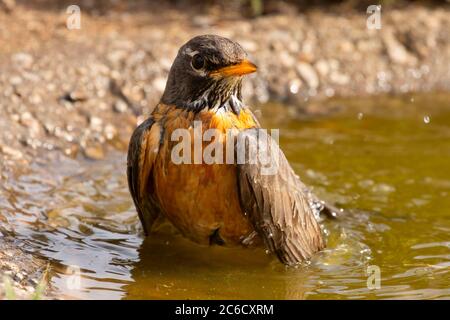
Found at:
(364, 119)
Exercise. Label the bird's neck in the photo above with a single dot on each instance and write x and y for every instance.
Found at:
(217, 98)
(232, 103)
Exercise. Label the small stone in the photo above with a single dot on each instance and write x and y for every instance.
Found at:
(95, 122)
(295, 86)
(110, 131)
(308, 74)
(94, 152)
(159, 84)
(329, 92)
(322, 67)
(383, 188)
(366, 183)
(117, 56)
(10, 151)
(8, 273)
(19, 276)
(29, 289)
(23, 59)
(7, 5)
(248, 45)
(396, 51)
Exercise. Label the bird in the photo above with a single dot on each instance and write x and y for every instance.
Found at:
(230, 203)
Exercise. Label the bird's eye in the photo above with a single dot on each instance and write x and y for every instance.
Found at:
(198, 62)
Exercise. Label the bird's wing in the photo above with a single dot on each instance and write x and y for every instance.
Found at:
(275, 200)
(142, 152)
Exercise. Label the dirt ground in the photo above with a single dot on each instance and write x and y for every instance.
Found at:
(80, 92)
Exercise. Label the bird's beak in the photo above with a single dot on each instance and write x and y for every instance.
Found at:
(243, 67)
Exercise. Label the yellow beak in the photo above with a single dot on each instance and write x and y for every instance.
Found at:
(244, 67)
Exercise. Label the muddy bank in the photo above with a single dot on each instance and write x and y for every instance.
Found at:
(79, 92)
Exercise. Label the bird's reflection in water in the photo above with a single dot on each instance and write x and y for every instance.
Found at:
(171, 267)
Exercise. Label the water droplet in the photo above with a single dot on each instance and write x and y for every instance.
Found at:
(426, 119)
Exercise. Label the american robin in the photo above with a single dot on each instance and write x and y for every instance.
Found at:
(218, 203)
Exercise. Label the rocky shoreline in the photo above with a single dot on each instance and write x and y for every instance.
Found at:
(79, 92)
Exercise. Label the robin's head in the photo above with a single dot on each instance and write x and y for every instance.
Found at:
(207, 73)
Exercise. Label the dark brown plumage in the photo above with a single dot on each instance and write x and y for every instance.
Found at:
(227, 204)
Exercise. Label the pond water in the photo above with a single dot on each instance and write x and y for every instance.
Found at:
(385, 160)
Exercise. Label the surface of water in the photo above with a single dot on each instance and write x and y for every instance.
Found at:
(386, 161)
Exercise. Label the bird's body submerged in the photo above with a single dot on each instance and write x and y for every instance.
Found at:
(217, 203)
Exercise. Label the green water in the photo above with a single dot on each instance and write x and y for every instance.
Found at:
(385, 160)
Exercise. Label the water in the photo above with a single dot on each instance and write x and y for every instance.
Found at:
(386, 161)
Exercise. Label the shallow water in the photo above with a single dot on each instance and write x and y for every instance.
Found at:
(386, 161)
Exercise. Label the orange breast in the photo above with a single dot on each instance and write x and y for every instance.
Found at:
(200, 199)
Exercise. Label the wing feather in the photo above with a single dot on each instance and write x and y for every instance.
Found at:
(275, 200)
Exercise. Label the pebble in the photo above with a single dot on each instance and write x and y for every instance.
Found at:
(14, 153)
(202, 21)
(295, 86)
(19, 276)
(322, 67)
(295, 56)
(75, 96)
(23, 59)
(339, 78)
(27, 120)
(120, 106)
(383, 188)
(94, 152)
(395, 49)
(110, 131)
